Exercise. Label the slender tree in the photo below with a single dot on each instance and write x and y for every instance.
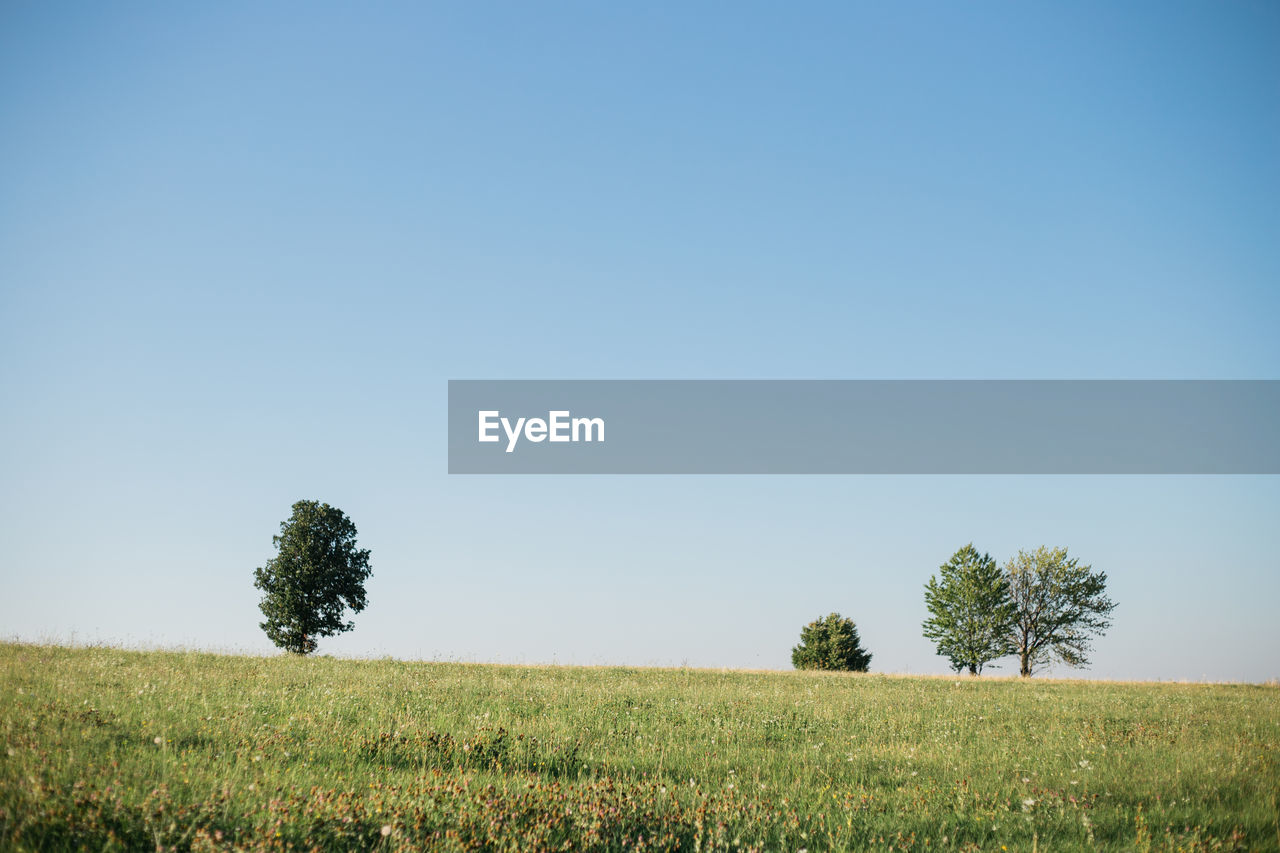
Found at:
(971, 612)
(1061, 605)
(831, 642)
(316, 575)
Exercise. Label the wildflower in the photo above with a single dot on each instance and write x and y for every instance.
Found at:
(159, 740)
(386, 830)
(1027, 804)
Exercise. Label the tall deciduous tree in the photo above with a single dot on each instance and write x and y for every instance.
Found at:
(1061, 605)
(971, 612)
(316, 575)
(831, 642)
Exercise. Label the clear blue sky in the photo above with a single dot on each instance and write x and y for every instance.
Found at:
(244, 245)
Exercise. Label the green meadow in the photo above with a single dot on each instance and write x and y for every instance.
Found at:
(107, 749)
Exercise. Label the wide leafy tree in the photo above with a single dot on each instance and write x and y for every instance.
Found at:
(1061, 605)
(970, 611)
(831, 642)
(318, 573)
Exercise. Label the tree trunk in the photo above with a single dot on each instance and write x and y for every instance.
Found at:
(1026, 665)
(973, 669)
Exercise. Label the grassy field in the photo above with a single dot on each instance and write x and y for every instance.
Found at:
(111, 749)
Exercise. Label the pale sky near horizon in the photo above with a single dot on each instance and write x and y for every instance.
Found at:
(244, 246)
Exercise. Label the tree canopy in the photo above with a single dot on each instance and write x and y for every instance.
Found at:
(1060, 605)
(831, 642)
(318, 573)
(971, 612)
